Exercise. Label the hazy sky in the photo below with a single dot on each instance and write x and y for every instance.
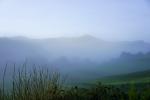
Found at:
(107, 19)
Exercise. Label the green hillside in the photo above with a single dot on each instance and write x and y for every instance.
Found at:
(136, 77)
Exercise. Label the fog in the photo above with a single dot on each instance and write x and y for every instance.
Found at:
(84, 57)
(82, 38)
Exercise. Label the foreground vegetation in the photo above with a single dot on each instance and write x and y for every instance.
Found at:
(40, 84)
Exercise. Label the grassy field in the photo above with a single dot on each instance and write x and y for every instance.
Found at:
(133, 78)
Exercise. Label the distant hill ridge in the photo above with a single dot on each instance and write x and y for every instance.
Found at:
(83, 47)
(78, 56)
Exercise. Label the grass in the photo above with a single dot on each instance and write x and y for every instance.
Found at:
(136, 77)
(41, 84)
(38, 84)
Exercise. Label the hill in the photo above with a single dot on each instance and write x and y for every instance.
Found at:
(136, 77)
(79, 57)
(73, 48)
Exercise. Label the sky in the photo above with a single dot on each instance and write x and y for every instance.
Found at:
(106, 19)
